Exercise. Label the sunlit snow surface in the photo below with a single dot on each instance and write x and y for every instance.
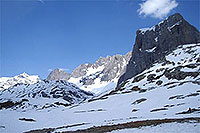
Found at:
(118, 108)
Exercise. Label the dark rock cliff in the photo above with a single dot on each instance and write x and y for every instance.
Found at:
(154, 43)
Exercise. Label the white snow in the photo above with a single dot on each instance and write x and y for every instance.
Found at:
(143, 30)
(92, 70)
(150, 50)
(156, 39)
(178, 23)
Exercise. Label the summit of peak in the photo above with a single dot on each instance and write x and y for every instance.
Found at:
(169, 22)
(24, 74)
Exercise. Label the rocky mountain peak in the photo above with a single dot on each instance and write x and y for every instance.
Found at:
(80, 70)
(105, 69)
(154, 43)
(58, 74)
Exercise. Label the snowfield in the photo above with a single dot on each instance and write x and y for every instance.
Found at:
(169, 89)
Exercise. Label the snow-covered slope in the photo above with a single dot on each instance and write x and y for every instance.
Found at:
(168, 89)
(24, 78)
(43, 94)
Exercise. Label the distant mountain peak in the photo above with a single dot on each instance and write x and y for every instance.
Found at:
(24, 74)
(58, 74)
(87, 76)
(24, 78)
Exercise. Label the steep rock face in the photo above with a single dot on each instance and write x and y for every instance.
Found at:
(58, 74)
(115, 67)
(154, 43)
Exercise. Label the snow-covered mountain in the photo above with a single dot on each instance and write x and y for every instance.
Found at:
(43, 94)
(24, 78)
(168, 89)
(98, 77)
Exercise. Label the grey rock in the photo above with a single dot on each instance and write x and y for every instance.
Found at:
(81, 70)
(58, 74)
(153, 44)
(115, 66)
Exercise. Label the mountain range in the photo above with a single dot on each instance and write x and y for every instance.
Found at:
(97, 77)
(156, 84)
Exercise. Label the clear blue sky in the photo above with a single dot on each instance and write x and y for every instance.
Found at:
(37, 36)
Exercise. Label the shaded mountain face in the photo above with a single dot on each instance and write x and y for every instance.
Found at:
(154, 43)
(98, 75)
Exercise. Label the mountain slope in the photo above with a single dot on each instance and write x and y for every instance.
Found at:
(41, 95)
(154, 43)
(6, 82)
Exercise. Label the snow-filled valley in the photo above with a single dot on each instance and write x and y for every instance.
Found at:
(170, 88)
